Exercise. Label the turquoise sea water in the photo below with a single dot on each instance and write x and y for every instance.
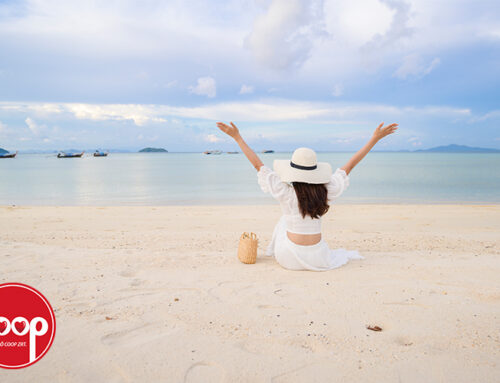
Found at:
(194, 178)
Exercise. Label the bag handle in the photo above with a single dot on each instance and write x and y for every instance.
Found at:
(250, 235)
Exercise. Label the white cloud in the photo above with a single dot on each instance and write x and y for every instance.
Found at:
(213, 138)
(399, 27)
(246, 89)
(493, 33)
(415, 141)
(205, 87)
(139, 114)
(320, 38)
(40, 109)
(181, 36)
(283, 36)
(494, 114)
(126, 28)
(262, 110)
(413, 66)
(338, 90)
(357, 22)
(36, 129)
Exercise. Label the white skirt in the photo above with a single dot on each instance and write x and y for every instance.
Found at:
(318, 257)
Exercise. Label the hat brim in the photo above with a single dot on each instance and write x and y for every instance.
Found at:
(321, 175)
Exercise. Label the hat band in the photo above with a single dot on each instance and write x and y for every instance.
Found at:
(302, 167)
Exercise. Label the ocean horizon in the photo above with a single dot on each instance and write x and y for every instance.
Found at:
(229, 179)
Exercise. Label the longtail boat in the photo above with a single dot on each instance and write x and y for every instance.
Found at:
(8, 155)
(69, 155)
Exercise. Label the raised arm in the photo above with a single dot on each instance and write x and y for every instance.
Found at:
(233, 131)
(379, 133)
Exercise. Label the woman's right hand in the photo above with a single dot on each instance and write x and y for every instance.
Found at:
(229, 130)
(383, 131)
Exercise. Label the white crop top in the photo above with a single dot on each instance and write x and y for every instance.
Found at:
(284, 192)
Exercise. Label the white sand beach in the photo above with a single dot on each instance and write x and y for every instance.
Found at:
(157, 294)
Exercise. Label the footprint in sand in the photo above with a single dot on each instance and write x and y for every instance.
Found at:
(205, 372)
(226, 289)
(137, 282)
(403, 341)
(128, 273)
(250, 347)
(307, 373)
(148, 333)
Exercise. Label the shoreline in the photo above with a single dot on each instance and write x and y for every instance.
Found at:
(250, 204)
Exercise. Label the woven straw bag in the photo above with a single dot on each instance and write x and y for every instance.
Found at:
(247, 248)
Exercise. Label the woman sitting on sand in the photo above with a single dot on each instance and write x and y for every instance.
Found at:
(304, 189)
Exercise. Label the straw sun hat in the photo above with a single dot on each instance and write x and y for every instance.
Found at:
(303, 167)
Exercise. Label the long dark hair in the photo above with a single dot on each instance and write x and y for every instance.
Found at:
(313, 199)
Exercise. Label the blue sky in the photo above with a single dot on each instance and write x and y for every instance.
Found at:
(289, 73)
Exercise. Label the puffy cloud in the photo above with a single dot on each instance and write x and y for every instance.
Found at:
(205, 87)
(246, 89)
(413, 66)
(34, 127)
(399, 27)
(173, 40)
(283, 36)
(357, 22)
(139, 114)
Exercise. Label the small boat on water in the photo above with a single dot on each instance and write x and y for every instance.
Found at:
(268, 151)
(232, 152)
(97, 153)
(8, 155)
(212, 152)
(69, 155)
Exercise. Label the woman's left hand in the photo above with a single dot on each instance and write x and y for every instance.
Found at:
(229, 130)
(383, 131)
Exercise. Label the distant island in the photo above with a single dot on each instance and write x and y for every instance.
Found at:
(3, 151)
(153, 150)
(453, 148)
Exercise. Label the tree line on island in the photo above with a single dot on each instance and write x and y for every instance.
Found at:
(153, 150)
